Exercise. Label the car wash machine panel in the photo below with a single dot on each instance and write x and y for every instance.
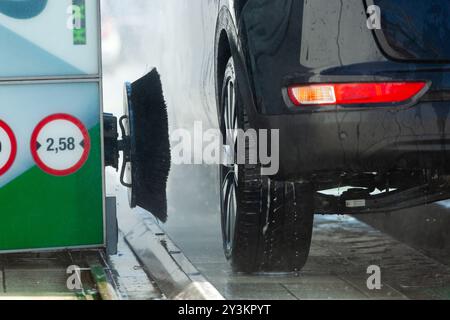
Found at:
(51, 160)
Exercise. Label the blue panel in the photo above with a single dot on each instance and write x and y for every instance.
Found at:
(22, 9)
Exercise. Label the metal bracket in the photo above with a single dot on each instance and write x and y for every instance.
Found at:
(124, 146)
(113, 146)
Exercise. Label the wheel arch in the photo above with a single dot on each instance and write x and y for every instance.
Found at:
(222, 57)
(227, 45)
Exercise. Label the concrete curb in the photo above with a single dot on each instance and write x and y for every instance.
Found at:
(166, 264)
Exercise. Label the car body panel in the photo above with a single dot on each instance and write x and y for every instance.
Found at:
(278, 44)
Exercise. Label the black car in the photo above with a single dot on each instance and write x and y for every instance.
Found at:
(360, 93)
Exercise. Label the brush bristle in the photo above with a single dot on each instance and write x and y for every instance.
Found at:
(151, 157)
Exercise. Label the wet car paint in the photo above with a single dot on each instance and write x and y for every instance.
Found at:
(179, 40)
(318, 46)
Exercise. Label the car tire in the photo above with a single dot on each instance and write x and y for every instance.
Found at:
(266, 225)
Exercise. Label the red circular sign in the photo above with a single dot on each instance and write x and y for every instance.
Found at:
(10, 139)
(60, 145)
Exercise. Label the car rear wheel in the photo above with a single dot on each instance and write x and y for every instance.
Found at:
(266, 224)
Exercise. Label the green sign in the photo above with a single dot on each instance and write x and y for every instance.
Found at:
(79, 22)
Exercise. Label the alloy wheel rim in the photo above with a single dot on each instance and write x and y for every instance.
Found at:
(230, 169)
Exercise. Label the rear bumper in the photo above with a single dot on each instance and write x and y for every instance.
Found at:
(371, 140)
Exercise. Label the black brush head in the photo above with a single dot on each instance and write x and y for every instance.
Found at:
(150, 145)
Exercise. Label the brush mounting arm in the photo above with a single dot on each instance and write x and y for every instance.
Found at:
(124, 146)
(113, 145)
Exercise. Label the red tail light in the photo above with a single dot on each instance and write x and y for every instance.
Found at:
(355, 93)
